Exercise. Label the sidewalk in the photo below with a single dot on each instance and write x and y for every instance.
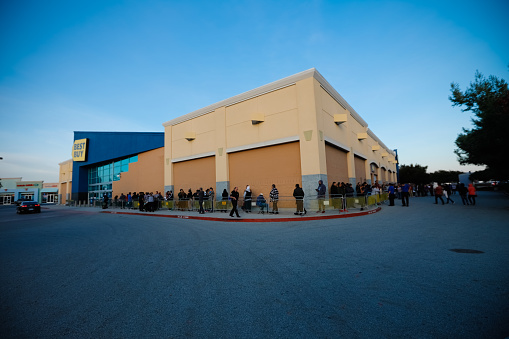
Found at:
(283, 216)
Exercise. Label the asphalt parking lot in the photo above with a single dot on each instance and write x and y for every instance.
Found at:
(424, 271)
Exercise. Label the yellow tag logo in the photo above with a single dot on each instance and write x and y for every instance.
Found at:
(79, 150)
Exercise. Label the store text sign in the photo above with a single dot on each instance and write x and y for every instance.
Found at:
(79, 150)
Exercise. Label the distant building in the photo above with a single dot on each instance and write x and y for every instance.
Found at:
(65, 181)
(15, 188)
(465, 178)
(49, 193)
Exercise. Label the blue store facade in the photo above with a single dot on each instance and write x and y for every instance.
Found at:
(100, 157)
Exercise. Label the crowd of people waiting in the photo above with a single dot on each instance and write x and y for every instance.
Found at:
(150, 202)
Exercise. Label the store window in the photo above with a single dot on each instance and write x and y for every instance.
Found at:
(100, 178)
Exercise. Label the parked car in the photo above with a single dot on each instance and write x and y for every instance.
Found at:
(19, 201)
(28, 206)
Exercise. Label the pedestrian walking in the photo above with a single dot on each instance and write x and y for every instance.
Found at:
(472, 194)
(439, 191)
(234, 197)
(463, 191)
(405, 194)
(447, 195)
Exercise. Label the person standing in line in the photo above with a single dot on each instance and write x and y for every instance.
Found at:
(121, 199)
(392, 195)
(463, 191)
(141, 201)
(274, 197)
(189, 198)
(105, 200)
(320, 196)
(247, 199)
(298, 194)
(334, 195)
(224, 200)
(129, 200)
(342, 195)
(150, 202)
(439, 191)
(201, 197)
(234, 197)
(472, 194)
(405, 194)
(211, 198)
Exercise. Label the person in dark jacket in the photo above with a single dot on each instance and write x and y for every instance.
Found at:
(201, 197)
(298, 194)
(320, 196)
(234, 197)
(141, 200)
(334, 194)
(105, 201)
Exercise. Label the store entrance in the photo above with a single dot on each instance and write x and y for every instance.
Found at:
(27, 196)
(7, 199)
(52, 198)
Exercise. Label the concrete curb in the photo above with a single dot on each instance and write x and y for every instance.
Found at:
(325, 217)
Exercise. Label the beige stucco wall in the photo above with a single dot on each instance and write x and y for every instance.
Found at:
(262, 167)
(145, 175)
(65, 181)
(194, 174)
(337, 164)
(298, 108)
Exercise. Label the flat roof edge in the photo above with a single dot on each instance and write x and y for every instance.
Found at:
(312, 72)
(244, 96)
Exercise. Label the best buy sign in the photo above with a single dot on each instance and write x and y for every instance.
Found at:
(79, 150)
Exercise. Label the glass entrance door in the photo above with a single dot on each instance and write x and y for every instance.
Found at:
(27, 196)
(52, 198)
(7, 199)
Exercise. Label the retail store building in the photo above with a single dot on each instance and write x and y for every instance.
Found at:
(112, 163)
(297, 130)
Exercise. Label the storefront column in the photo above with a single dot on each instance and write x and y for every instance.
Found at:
(168, 165)
(222, 166)
(312, 144)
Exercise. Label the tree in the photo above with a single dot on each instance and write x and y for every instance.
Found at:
(415, 174)
(445, 176)
(486, 142)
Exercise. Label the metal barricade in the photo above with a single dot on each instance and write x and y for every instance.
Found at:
(223, 205)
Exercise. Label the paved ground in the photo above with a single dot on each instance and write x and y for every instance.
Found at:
(80, 273)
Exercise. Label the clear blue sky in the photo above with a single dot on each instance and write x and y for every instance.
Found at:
(132, 65)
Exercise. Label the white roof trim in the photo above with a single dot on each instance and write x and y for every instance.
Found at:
(192, 157)
(263, 144)
(371, 134)
(360, 155)
(337, 144)
(65, 162)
